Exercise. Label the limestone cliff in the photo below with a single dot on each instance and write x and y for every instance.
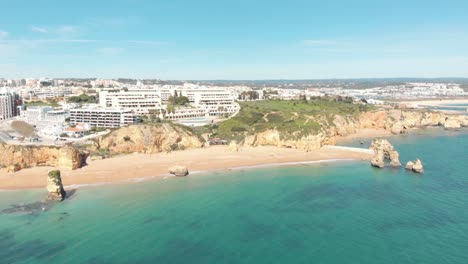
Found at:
(273, 138)
(395, 121)
(150, 139)
(31, 156)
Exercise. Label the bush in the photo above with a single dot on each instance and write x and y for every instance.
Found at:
(126, 138)
(238, 129)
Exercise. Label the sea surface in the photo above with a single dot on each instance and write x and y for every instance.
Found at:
(337, 212)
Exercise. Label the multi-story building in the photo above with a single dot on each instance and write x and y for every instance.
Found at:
(209, 101)
(9, 103)
(140, 101)
(98, 117)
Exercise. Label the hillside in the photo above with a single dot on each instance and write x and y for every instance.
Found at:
(292, 119)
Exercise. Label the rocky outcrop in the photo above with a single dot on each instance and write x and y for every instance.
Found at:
(150, 139)
(233, 146)
(13, 168)
(32, 156)
(55, 186)
(383, 150)
(415, 166)
(179, 171)
(452, 123)
(273, 138)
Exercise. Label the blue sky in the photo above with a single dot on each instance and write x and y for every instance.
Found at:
(240, 39)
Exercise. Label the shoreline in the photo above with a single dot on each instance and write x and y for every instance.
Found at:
(437, 102)
(143, 167)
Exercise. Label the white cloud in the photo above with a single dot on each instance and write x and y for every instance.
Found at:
(3, 34)
(110, 50)
(66, 29)
(39, 29)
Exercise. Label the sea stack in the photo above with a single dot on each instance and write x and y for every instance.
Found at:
(179, 171)
(55, 186)
(384, 150)
(415, 166)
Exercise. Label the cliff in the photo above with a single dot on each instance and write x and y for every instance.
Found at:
(149, 139)
(395, 121)
(31, 156)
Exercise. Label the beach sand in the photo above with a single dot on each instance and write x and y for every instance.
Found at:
(438, 102)
(135, 167)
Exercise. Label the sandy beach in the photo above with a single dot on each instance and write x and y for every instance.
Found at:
(438, 102)
(134, 167)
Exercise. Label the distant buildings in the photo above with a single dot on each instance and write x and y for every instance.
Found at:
(9, 103)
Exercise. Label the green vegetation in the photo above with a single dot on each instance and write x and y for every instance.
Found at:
(178, 100)
(23, 128)
(48, 102)
(55, 176)
(293, 119)
(83, 99)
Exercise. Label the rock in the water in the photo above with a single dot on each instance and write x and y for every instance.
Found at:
(409, 165)
(233, 146)
(179, 171)
(384, 150)
(415, 166)
(55, 186)
(378, 160)
(13, 168)
(418, 167)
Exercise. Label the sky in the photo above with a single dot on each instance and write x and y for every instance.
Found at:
(237, 39)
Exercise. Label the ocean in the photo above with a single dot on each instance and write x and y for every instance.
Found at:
(334, 212)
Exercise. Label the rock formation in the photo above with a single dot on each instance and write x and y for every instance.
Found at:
(396, 121)
(415, 166)
(179, 171)
(150, 139)
(18, 157)
(13, 168)
(55, 186)
(452, 123)
(233, 146)
(384, 150)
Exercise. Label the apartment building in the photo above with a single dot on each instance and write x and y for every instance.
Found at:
(98, 117)
(9, 103)
(209, 101)
(140, 101)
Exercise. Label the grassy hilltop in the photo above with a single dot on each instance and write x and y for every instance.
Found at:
(285, 116)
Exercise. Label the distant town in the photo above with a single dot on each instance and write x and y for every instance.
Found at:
(62, 110)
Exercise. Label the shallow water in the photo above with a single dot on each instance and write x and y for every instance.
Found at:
(345, 212)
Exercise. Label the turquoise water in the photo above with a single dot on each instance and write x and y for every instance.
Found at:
(342, 212)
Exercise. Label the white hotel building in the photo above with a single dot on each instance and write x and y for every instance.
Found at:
(140, 101)
(206, 101)
(98, 117)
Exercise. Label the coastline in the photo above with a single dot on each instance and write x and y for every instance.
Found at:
(440, 102)
(141, 167)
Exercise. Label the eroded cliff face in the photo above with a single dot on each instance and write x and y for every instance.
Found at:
(32, 156)
(149, 139)
(395, 121)
(274, 138)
